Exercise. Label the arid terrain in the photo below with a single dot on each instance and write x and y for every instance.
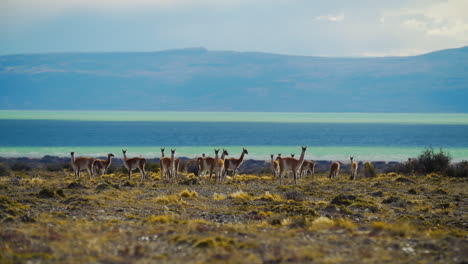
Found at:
(51, 217)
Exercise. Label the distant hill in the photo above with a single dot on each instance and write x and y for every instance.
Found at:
(200, 80)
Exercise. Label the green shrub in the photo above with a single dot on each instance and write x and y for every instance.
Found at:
(458, 170)
(4, 171)
(54, 167)
(430, 162)
(19, 166)
(151, 166)
(369, 170)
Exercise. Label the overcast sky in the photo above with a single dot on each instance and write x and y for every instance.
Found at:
(298, 27)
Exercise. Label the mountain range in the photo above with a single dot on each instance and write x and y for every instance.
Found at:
(197, 79)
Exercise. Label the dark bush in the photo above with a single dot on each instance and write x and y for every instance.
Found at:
(19, 166)
(4, 171)
(53, 167)
(46, 193)
(112, 169)
(369, 170)
(458, 170)
(152, 166)
(429, 161)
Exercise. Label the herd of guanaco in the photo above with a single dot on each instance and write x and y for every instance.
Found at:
(219, 165)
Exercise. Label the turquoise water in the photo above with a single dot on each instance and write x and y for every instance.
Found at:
(129, 116)
(330, 136)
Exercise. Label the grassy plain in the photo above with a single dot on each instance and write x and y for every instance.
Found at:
(50, 217)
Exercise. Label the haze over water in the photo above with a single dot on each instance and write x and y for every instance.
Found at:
(386, 137)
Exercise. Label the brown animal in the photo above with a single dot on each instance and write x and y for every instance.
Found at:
(133, 164)
(82, 163)
(306, 167)
(100, 166)
(334, 169)
(233, 164)
(167, 170)
(291, 164)
(206, 163)
(275, 169)
(219, 166)
(354, 168)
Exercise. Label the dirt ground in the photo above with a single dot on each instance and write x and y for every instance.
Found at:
(51, 217)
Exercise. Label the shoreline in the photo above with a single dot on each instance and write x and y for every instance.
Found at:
(260, 153)
(249, 166)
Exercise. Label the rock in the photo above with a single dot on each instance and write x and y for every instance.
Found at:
(377, 194)
(46, 193)
(75, 185)
(343, 199)
(295, 195)
(404, 180)
(103, 186)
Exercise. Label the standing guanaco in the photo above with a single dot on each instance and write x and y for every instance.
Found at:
(133, 164)
(354, 168)
(82, 163)
(233, 163)
(101, 166)
(334, 169)
(291, 164)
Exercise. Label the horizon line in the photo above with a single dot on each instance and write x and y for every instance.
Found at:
(222, 50)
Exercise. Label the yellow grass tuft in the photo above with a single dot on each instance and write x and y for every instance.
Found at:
(188, 194)
(163, 219)
(219, 197)
(271, 197)
(168, 199)
(345, 223)
(241, 195)
(397, 229)
(321, 223)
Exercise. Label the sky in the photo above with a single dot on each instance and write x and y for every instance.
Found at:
(296, 27)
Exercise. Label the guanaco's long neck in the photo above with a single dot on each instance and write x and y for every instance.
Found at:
(223, 157)
(301, 159)
(73, 158)
(241, 157)
(109, 160)
(125, 158)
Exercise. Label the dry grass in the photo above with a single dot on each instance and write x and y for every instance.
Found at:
(52, 218)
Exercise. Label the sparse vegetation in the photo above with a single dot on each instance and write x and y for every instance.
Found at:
(369, 170)
(431, 162)
(4, 171)
(53, 217)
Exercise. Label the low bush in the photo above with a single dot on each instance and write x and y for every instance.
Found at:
(19, 166)
(369, 170)
(428, 162)
(458, 170)
(53, 167)
(152, 166)
(4, 171)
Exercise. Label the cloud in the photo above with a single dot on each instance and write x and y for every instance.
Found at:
(331, 18)
(440, 19)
